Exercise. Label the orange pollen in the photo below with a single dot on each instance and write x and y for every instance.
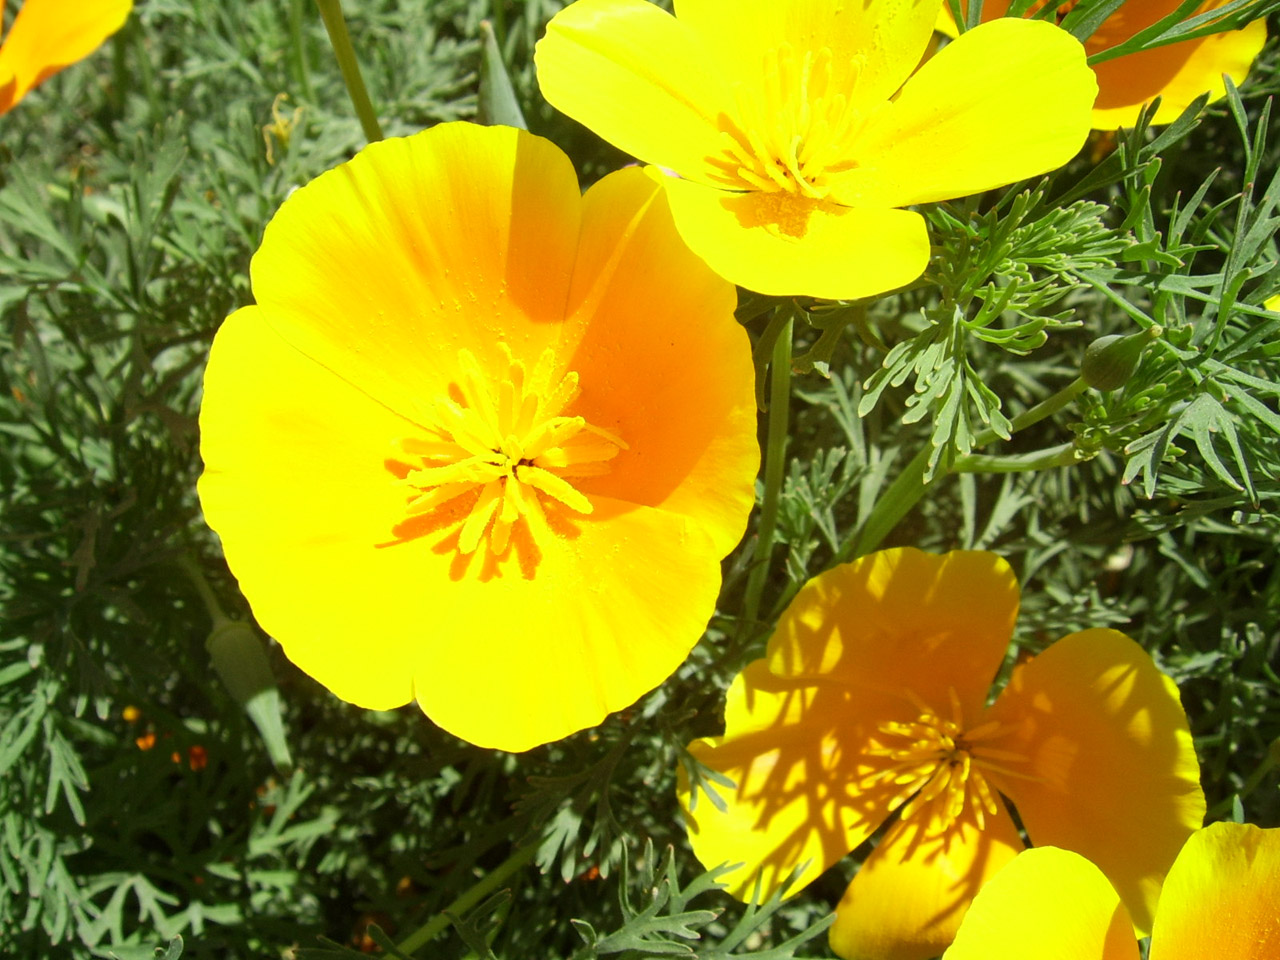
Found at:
(794, 129)
(937, 765)
(506, 437)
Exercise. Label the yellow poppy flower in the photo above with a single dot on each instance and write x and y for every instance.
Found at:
(1221, 900)
(798, 128)
(483, 441)
(872, 698)
(48, 35)
(1177, 73)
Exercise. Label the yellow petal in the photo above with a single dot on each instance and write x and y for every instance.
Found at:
(665, 366)
(1221, 897)
(371, 268)
(1051, 902)
(782, 244)
(638, 78)
(48, 35)
(907, 900)
(874, 45)
(1177, 72)
(902, 624)
(589, 620)
(1110, 770)
(1007, 100)
(295, 484)
(796, 752)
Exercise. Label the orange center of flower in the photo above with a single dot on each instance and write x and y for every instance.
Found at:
(938, 765)
(506, 440)
(796, 130)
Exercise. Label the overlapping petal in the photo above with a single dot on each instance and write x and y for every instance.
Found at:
(1053, 899)
(355, 267)
(1109, 768)
(1177, 73)
(907, 900)
(796, 751)
(970, 104)
(638, 77)
(49, 35)
(874, 45)
(389, 290)
(1222, 897)
(778, 243)
(903, 620)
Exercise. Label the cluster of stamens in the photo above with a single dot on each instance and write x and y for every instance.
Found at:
(506, 440)
(799, 133)
(938, 765)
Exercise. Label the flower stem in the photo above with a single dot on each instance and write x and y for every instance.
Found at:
(905, 491)
(478, 891)
(336, 24)
(197, 578)
(774, 467)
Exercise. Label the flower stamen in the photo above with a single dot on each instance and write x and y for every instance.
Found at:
(508, 442)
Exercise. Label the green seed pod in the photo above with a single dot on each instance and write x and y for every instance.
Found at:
(1109, 362)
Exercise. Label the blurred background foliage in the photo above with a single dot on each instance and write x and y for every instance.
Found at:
(138, 801)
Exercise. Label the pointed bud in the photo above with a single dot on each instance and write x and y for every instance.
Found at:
(241, 662)
(1109, 362)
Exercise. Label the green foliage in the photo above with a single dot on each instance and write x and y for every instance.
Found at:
(134, 189)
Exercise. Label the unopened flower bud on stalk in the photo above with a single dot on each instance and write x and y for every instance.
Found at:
(241, 662)
(1110, 361)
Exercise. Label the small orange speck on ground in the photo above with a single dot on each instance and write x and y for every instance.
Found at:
(146, 741)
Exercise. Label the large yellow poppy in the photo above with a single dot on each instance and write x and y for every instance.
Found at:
(872, 699)
(799, 128)
(482, 442)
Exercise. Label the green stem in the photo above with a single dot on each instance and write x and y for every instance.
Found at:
(1063, 455)
(336, 24)
(774, 467)
(1223, 807)
(479, 890)
(196, 576)
(905, 491)
(302, 65)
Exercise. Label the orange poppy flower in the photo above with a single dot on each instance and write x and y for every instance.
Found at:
(48, 35)
(872, 699)
(1177, 73)
(800, 129)
(483, 441)
(1221, 900)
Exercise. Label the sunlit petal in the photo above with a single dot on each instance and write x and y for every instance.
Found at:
(781, 244)
(1051, 901)
(903, 620)
(48, 35)
(1222, 897)
(907, 900)
(636, 76)
(959, 126)
(1109, 769)
(796, 751)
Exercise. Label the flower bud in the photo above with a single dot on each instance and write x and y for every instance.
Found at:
(1109, 362)
(241, 662)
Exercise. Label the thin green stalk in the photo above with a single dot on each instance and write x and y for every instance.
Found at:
(478, 891)
(302, 66)
(197, 578)
(905, 491)
(774, 467)
(336, 24)
(1062, 455)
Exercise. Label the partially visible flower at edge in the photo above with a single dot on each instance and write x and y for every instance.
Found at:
(872, 698)
(799, 128)
(1177, 73)
(482, 441)
(1221, 900)
(48, 35)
